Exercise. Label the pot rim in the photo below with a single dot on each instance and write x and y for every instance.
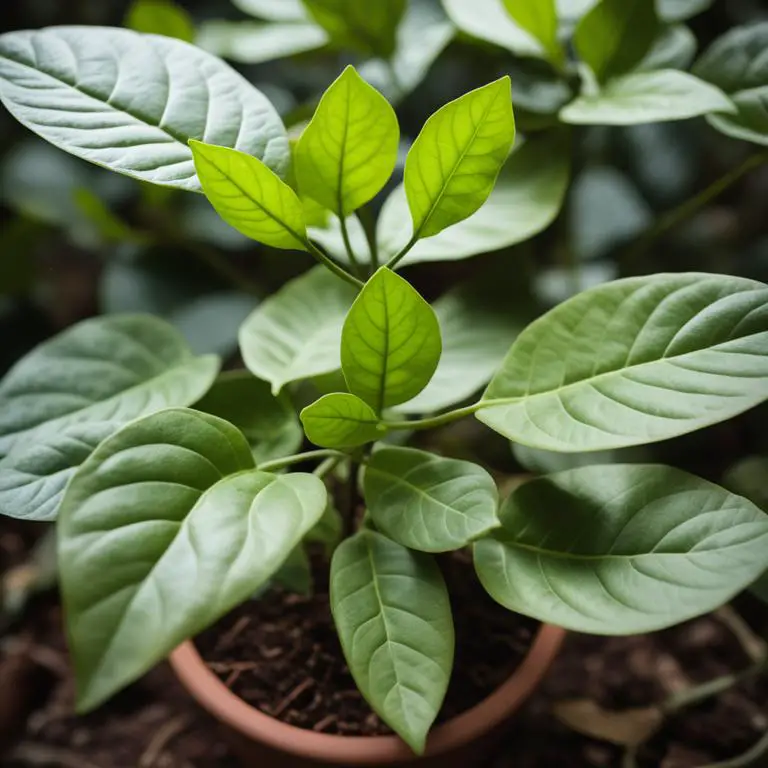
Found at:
(211, 693)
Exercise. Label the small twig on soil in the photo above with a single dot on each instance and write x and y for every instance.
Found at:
(292, 696)
(324, 723)
(750, 757)
(221, 667)
(161, 739)
(229, 638)
(753, 645)
(28, 753)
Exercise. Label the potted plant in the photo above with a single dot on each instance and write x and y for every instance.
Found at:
(166, 518)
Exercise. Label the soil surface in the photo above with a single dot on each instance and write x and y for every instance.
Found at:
(281, 654)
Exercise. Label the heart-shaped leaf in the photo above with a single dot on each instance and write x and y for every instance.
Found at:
(390, 343)
(647, 97)
(341, 420)
(453, 164)
(296, 333)
(621, 549)
(164, 529)
(160, 17)
(539, 17)
(634, 361)
(393, 616)
(131, 102)
(429, 503)
(250, 197)
(348, 151)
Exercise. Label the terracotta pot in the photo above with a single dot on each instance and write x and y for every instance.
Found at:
(263, 742)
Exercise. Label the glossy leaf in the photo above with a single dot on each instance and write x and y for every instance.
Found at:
(427, 502)
(390, 343)
(621, 549)
(164, 529)
(393, 616)
(274, 10)
(369, 28)
(453, 164)
(615, 35)
(646, 97)
(348, 151)
(89, 91)
(160, 17)
(250, 197)
(539, 17)
(268, 422)
(341, 420)
(526, 199)
(296, 333)
(634, 361)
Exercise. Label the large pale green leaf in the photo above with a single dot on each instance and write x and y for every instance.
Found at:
(487, 20)
(164, 529)
(621, 549)
(427, 502)
(341, 420)
(634, 361)
(269, 422)
(453, 164)
(370, 27)
(539, 17)
(348, 151)
(160, 17)
(615, 35)
(296, 333)
(527, 197)
(647, 97)
(680, 10)
(390, 343)
(393, 615)
(250, 197)
(274, 10)
(131, 102)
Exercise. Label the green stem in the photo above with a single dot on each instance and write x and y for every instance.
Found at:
(321, 470)
(443, 418)
(348, 246)
(398, 257)
(750, 757)
(297, 458)
(368, 223)
(332, 265)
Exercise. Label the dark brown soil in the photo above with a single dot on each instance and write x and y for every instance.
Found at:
(280, 653)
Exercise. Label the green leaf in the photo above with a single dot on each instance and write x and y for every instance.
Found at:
(674, 48)
(390, 343)
(453, 164)
(621, 549)
(646, 97)
(680, 10)
(615, 35)
(341, 420)
(750, 122)
(295, 574)
(760, 588)
(250, 197)
(160, 17)
(328, 530)
(131, 102)
(164, 529)
(253, 42)
(526, 199)
(393, 616)
(749, 478)
(429, 503)
(369, 28)
(268, 422)
(539, 17)
(296, 333)
(546, 462)
(348, 151)
(634, 361)
(274, 10)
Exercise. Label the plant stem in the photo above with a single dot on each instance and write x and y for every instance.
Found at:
(368, 223)
(690, 207)
(349, 511)
(321, 470)
(442, 419)
(332, 265)
(287, 461)
(398, 257)
(751, 756)
(356, 266)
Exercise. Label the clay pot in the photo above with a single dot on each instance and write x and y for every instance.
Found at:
(263, 742)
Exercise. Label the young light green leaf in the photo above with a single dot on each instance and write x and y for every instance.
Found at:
(390, 343)
(646, 97)
(429, 503)
(296, 333)
(671, 11)
(250, 197)
(131, 102)
(393, 616)
(274, 10)
(348, 151)
(370, 28)
(341, 420)
(634, 361)
(621, 549)
(160, 17)
(165, 528)
(453, 164)
(539, 17)
(268, 422)
(527, 197)
(615, 35)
